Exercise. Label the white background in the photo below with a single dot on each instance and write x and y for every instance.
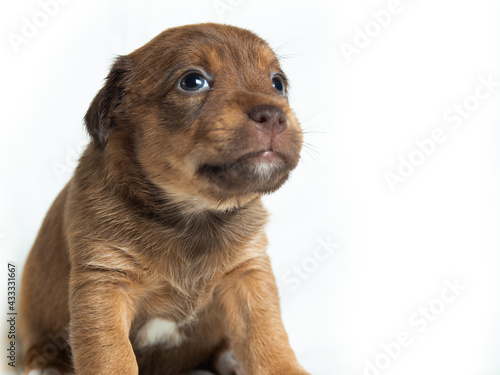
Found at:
(395, 249)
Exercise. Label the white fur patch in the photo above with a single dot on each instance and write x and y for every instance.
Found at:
(158, 331)
(47, 371)
(227, 364)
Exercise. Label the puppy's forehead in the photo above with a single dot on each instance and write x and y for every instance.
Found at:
(220, 55)
(209, 46)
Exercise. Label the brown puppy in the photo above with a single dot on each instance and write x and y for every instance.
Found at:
(153, 257)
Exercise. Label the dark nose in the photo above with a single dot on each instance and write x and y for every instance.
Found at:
(269, 118)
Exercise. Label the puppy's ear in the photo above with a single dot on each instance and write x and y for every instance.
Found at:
(99, 117)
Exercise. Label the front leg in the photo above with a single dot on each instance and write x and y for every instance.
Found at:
(101, 314)
(250, 301)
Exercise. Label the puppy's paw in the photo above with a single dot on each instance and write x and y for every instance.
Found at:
(227, 364)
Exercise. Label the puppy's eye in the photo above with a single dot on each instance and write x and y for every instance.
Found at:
(194, 82)
(279, 85)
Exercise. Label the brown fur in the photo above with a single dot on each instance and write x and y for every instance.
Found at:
(163, 217)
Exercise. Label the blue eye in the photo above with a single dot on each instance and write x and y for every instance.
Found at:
(194, 82)
(279, 85)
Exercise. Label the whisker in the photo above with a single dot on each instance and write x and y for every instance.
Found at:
(315, 132)
(286, 44)
(312, 148)
(290, 56)
(309, 117)
(310, 154)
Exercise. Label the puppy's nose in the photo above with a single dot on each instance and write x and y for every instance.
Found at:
(269, 118)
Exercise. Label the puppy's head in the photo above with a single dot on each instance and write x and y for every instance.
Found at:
(202, 111)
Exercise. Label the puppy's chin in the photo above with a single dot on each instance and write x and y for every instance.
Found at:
(255, 173)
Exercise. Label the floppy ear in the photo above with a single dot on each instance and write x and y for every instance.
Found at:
(99, 117)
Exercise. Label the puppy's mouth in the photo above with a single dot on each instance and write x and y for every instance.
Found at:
(264, 158)
(255, 172)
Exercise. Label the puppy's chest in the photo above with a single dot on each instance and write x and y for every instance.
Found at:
(158, 331)
(168, 317)
(168, 325)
